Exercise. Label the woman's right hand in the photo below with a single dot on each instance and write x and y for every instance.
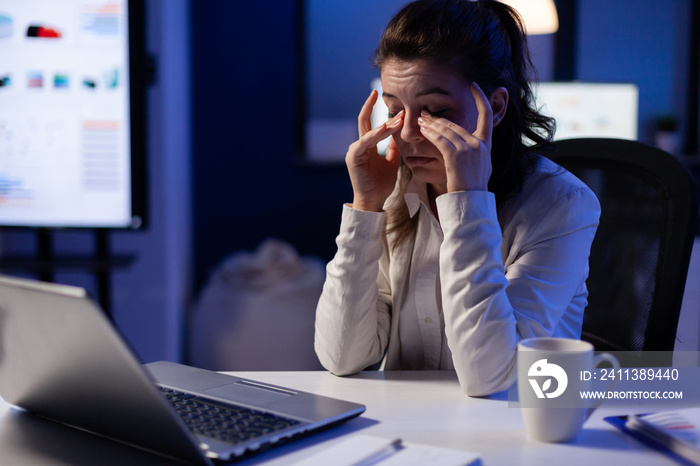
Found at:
(372, 176)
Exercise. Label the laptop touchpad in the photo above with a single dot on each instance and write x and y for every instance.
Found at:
(248, 392)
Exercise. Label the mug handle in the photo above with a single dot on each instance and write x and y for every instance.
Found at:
(604, 357)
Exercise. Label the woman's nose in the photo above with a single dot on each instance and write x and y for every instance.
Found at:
(411, 132)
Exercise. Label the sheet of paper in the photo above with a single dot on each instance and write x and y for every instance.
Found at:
(414, 454)
(364, 450)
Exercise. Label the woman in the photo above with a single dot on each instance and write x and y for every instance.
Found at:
(462, 240)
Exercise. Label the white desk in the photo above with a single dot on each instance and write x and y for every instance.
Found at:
(422, 407)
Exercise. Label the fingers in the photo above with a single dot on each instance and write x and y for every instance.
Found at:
(373, 136)
(364, 120)
(444, 134)
(484, 124)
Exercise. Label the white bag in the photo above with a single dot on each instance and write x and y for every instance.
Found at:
(257, 312)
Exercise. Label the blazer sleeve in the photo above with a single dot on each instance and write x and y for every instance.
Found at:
(353, 312)
(489, 309)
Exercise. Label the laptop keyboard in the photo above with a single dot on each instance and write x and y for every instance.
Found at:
(231, 424)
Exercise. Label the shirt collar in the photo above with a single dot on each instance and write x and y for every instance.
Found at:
(415, 196)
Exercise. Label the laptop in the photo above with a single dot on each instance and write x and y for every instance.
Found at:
(60, 358)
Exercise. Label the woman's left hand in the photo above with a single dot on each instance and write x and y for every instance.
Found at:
(467, 156)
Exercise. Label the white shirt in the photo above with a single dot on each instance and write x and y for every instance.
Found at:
(465, 290)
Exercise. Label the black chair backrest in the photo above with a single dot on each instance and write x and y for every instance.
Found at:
(640, 254)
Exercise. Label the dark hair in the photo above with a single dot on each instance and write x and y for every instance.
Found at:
(483, 41)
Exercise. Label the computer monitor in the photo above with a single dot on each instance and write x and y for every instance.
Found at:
(72, 129)
(586, 109)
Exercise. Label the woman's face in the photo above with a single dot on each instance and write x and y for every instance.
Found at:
(417, 86)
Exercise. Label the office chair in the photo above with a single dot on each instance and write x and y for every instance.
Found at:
(640, 254)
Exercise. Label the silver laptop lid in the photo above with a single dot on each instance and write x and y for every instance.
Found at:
(61, 359)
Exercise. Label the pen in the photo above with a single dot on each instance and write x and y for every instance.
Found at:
(380, 454)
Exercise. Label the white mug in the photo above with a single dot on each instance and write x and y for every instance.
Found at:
(551, 376)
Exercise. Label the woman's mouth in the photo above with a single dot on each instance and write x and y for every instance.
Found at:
(417, 160)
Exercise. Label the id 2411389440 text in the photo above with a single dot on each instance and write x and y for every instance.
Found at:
(631, 374)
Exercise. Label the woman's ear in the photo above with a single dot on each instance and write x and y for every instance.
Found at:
(499, 104)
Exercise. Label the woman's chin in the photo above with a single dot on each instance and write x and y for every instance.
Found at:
(423, 174)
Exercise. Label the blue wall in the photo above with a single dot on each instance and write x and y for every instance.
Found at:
(249, 181)
(640, 41)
